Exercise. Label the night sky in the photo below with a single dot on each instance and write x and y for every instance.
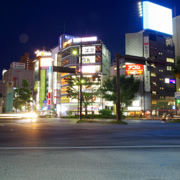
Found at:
(27, 25)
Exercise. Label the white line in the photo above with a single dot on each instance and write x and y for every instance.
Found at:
(88, 147)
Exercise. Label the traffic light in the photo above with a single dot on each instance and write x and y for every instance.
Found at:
(178, 101)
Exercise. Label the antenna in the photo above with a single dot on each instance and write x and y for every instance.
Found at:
(64, 27)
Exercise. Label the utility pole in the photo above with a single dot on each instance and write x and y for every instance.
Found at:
(118, 106)
(80, 90)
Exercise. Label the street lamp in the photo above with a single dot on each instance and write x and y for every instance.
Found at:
(81, 81)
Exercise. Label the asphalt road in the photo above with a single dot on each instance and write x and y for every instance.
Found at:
(60, 149)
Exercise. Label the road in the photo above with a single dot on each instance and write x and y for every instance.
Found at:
(60, 149)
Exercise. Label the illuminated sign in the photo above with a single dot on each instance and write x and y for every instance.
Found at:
(42, 86)
(134, 69)
(91, 69)
(69, 42)
(42, 53)
(45, 62)
(89, 50)
(171, 81)
(88, 59)
(60, 42)
(157, 18)
(146, 46)
(84, 39)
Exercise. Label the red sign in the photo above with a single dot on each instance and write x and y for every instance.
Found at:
(134, 69)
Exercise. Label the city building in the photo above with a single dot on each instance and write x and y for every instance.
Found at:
(155, 44)
(43, 80)
(50, 87)
(96, 60)
(29, 65)
(12, 79)
(176, 39)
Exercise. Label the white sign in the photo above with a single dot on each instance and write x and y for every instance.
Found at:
(88, 59)
(146, 46)
(46, 62)
(17, 65)
(157, 18)
(146, 79)
(90, 69)
(84, 39)
(89, 50)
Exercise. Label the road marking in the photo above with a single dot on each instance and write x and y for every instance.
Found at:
(88, 147)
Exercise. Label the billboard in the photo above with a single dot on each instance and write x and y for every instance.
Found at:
(91, 69)
(157, 18)
(134, 69)
(45, 62)
(89, 50)
(88, 59)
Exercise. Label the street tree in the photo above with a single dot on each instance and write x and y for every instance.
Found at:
(89, 90)
(129, 86)
(22, 96)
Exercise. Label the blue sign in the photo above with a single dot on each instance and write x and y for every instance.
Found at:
(172, 81)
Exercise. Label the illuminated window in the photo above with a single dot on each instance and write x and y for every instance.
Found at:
(153, 74)
(154, 102)
(171, 60)
(161, 88)
(154, 92)
(169, 68)
(160, 70)
(154, 83)
(161, 79)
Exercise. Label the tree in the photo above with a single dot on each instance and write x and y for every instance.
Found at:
(89, 90)
(22, 96)
(128, 89)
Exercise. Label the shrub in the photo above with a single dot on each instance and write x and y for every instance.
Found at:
(105, 112)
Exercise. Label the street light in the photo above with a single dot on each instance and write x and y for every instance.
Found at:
(81, 81)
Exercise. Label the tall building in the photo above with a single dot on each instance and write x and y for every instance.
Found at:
(176, 39)
(29, 65)
(96, 60)
(155, 43)
(43, 80)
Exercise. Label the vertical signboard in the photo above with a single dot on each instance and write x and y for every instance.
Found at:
(146, 79)
(42, 86)
(146, 46)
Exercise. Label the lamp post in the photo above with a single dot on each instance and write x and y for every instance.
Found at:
(74, 52)
(80, 87)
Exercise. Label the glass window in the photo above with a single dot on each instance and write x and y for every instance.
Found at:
(153, 74)
(169, 68)
(171, 60)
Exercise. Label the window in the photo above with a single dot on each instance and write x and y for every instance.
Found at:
(160, 70)
(153, 74)
(161, 79)
(161, 88)
(169, 68)
(154, 83)
(171, 60)
(154, 92)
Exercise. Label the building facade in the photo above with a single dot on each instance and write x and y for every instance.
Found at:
(12, 79)
(159, 80)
